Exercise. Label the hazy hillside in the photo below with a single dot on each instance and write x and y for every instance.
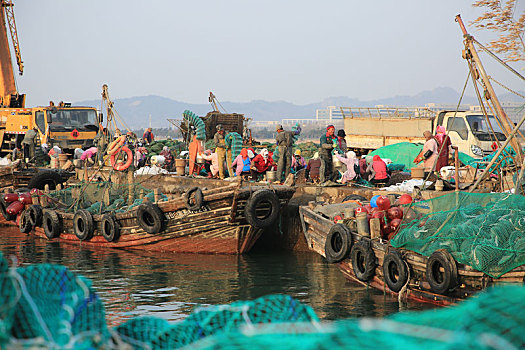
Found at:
(136, 110)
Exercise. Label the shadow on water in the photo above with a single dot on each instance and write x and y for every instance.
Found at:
(136, 282)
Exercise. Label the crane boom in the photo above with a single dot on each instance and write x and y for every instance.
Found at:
(10, 16)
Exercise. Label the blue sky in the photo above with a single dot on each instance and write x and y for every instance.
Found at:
(243, 50)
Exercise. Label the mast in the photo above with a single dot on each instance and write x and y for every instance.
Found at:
(472, 56)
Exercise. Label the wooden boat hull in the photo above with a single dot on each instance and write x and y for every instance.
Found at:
(219, 226)
(316, 228)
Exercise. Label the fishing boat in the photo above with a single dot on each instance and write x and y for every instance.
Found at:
(222, 220)
(370, 260)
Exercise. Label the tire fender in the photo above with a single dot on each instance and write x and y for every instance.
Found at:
(193, 198)
(364, 260)
(338, 243)
(441, 282)
(24, 222)
(83, 225)
(252, 204)
(35, 215)
(395, 270)
(150, 218)
(52, 224)
(110, 228)
(45, 177)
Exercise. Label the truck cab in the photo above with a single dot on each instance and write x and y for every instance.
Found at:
(67, 127)
(471, 131)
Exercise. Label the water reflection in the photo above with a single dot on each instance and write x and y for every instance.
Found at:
(134, 283)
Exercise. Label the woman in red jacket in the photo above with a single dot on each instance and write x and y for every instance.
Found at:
(378, 171)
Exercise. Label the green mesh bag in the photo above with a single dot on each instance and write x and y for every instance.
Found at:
(483, 230)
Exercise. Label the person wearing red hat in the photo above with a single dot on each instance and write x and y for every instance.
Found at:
(328, 143)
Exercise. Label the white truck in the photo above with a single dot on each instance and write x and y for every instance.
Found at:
(371, 128)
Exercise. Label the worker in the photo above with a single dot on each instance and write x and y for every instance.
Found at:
(168, 158)
(313, 167)
(428, 154)
(284, 140)
(298, 162)
(29, 142)
(220, 149)
(341, 141)
(260, 164)
(242, 163)
(101, 141)
(352, 166)
(88, 154)
(140, 157)
(378, 171)
(148, 136)
(328, 143)
(214, 159)
(445, 145)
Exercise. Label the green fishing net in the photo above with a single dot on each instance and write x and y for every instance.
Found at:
(100, 197)
(47, 306)
(483, 230)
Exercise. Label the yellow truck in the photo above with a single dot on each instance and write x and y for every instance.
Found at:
(370, 128)
(63, 125)
(66, 126)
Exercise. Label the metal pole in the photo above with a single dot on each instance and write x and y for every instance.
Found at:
(500, 150)
(456, 166)
(469, 40)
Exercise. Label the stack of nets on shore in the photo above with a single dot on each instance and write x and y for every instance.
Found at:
(483, 230)
(47, 306)
(100, 197)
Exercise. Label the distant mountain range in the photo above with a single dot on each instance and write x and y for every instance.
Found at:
(136, 110)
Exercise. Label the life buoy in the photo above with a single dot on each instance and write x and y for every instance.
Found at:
(35, 215)
(110, 228)
(441, 272)
(150, 218)
(122, 166)
(193, 198)
(24, 222)
(395, 271)
(363, 260)
(52, 224)
(338, 243)
(262, 208)
(115, 145)
(83, 225)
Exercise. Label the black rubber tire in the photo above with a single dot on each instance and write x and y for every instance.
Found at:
(110, 228)
(256, 199)
(193, 198)
(83, 225)
(355, 197)
(45, 177)
(24, 223)
(3, 209)
(338, 243)
(395, 271)
(364, 260)
(442, 282)
(36, 215)
(150, 218)
(52, 224)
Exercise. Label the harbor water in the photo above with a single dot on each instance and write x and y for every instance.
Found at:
(137, 283)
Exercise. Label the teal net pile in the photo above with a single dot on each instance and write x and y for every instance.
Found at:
(492, 320)
(212, 320)
(156, 147)
(233, 140)
(485, 231)
(101, 197)
(47, 306)
(50, 307)
(197, 122)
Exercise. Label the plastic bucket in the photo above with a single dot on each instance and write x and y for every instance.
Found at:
(62, 159)
(418, 173)
(271, 175)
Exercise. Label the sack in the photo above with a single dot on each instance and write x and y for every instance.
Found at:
(428, 154)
